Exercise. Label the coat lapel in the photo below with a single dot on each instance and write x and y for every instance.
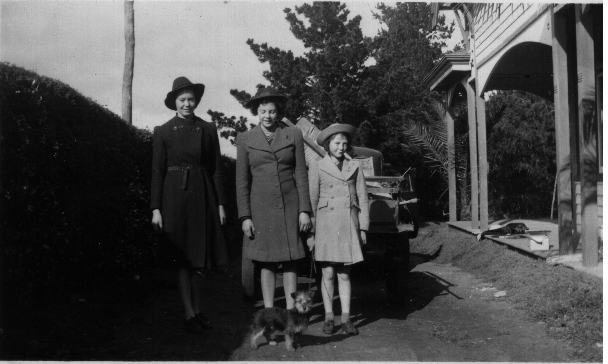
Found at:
(280, 140)
(348, 168)
(258, 139)
(329, 167)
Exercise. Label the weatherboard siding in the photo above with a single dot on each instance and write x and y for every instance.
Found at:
(494, 23)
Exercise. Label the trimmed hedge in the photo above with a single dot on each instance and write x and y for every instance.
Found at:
(75, 183)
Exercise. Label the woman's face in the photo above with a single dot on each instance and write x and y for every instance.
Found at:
(338, 146)
(185, 103)
(267, 113)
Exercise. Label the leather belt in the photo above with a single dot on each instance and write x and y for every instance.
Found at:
(185, 168)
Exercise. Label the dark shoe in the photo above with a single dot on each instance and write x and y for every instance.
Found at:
(193, 326)
(328, 327)
(203, 321)
(349, 329)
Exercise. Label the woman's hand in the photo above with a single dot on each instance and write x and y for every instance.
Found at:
(157, 221)
(305, 223)
(363, 237)
(222, 215)
(248, 228)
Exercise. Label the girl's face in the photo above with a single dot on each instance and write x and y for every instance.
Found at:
(338, 146)
(185, 103)
(267, 113)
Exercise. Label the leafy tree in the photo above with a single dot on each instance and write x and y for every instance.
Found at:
(324, 84)
(405, 51)
(521, 155)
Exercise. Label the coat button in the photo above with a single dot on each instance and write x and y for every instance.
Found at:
(331, 208)
(331, 185)
(332, 197)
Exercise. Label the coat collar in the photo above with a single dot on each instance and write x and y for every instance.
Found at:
(279, 141)
(258, 139)
(348, 167)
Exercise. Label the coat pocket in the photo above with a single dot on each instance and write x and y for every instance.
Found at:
(323, 202)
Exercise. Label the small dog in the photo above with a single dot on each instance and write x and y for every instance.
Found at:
(292, 322)
(509, 229)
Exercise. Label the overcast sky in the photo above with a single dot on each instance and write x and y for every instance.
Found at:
(82, 44)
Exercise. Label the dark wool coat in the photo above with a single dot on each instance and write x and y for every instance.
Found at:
(188, 198)
(272, 189)
(341, 209)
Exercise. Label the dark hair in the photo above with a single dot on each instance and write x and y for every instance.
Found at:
(331, 137)
(277, 101)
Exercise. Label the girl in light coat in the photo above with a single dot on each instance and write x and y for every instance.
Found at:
(340, 219)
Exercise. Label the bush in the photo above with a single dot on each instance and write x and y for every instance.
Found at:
(75, 183)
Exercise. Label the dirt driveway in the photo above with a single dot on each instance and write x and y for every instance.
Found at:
(450, 316)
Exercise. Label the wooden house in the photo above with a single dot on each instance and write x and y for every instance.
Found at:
(550, 50)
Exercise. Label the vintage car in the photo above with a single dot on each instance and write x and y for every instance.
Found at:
(393, 212)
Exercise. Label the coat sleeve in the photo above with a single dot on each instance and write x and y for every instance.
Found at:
(218, 178)
(159, 168)
(363, 201)
(313, 185)
(301, 175)
(243, 178)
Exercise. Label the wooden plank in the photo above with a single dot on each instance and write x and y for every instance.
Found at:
(449, 120)
(483, 163)
(587, 123)
(562, 107)
(312, 151)
(473, 154)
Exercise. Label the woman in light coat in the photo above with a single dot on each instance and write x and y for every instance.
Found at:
(341, 218)
(272, 194)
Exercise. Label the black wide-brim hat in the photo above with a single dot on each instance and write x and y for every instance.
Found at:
(335, 129)
(263, 93)
(179, 84)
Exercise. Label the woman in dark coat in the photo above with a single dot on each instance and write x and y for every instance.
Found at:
(188, 196)
(272, 193)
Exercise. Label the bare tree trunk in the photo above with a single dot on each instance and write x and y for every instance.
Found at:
(127, 80)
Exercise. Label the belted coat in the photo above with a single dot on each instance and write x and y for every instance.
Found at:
(340, 209)
(187, 186)
(272, 190)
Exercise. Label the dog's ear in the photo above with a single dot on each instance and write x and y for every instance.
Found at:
(293, 295)
(311, 294)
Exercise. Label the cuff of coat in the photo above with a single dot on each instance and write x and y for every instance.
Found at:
(243, 218)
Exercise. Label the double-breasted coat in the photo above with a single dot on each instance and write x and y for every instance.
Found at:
(272, 190)
(340, 209)
(187, 187)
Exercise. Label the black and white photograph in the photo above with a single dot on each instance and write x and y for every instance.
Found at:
(356, 181)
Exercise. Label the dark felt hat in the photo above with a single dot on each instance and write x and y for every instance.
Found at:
(179, 84)
(335, 129)
(262, 94)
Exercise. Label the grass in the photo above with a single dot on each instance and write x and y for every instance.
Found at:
(567, 301)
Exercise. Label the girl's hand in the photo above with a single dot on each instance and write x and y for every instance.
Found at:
(310, 240)
(305, 223)
(363, 237)
(157, 221)
(248, 228)
(222, 215)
